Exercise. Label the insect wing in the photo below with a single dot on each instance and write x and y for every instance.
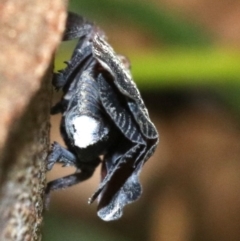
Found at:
(118, 113)
(129, 192)
(119, 187)
(123, 81)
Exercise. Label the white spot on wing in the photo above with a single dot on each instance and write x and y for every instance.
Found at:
(87, 129)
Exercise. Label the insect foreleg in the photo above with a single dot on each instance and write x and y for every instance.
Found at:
(60, 155)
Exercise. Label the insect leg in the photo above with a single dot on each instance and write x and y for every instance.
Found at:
(60, 155)
(67, 181)
(60, 79)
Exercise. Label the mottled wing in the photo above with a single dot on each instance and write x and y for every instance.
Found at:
(120, 186)
(128, 192)
(104, 53)
(118, 112)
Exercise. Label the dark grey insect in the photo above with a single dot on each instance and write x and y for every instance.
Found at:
(104, 120)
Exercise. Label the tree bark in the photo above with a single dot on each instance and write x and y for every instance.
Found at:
(29, 33)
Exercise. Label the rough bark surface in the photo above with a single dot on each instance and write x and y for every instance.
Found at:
(24, 171)
(29, 33)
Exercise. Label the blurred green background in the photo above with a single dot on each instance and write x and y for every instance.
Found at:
(185, 59)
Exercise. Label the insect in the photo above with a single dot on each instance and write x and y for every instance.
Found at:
(104, 121)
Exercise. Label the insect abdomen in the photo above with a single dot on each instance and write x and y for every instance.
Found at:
(84, 120)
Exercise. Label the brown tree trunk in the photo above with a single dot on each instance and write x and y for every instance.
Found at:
(30, 31)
